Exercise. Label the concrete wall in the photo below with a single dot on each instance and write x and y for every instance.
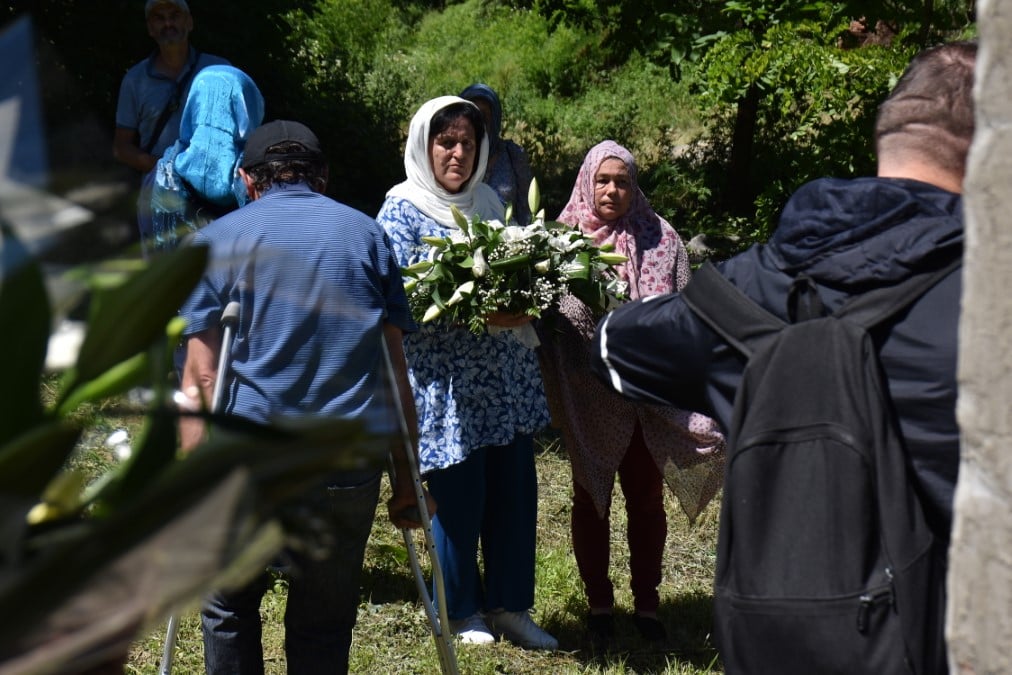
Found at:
(980, 578)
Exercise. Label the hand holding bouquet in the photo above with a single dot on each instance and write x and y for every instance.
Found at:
(486, 267)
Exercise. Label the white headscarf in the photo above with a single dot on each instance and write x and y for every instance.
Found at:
(421, 187)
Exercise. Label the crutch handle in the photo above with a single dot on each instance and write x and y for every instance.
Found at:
(229, 320)
(230, 315)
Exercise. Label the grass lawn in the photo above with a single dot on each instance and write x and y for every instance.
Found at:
(392, 635)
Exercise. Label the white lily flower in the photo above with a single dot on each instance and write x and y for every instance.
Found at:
(464, 290)
(514, 233)
(567, 244)
(572, 267)
(544, 266)
(534, 196)
(480, 268)
(431, 313)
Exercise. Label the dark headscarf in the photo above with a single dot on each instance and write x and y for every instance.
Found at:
(486, 93)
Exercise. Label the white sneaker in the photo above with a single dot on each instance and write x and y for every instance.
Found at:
(520, 629)
(472, 630)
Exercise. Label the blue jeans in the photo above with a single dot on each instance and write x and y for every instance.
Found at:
(323, 596)
(491, 496)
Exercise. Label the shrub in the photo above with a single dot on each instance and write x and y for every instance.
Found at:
(815, 105)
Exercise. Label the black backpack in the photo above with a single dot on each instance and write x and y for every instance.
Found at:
(825, 563)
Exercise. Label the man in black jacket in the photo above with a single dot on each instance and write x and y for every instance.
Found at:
(849, 236)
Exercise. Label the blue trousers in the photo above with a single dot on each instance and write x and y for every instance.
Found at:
(323, 597)
(492, 498)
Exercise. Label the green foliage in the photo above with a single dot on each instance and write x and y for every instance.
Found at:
(559, 93)
(519, 51)
(333, 50)
(811, 105)
(570, 73)
(229, 497)
(23, 298)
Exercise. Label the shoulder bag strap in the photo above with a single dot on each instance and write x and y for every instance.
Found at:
(172, 105)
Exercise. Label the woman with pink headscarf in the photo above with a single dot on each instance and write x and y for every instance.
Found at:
(604, 433)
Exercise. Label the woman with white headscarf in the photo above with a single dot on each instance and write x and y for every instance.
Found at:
(480, 398)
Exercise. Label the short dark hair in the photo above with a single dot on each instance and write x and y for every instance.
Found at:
(930, 111)
(289, 171)
(444, 117)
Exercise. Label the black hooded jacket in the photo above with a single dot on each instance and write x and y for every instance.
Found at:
(849, 236)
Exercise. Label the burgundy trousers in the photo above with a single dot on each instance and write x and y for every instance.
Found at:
(643, 487)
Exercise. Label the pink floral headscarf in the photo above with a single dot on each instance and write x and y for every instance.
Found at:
(658, 262)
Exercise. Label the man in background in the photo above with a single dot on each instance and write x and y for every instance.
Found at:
(850, 237)
(152, 94)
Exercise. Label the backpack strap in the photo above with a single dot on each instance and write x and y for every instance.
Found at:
(745, 324)
(729, 312)
(877, 306)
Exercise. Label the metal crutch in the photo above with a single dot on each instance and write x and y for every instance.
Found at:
(435, 612)
(229, 319)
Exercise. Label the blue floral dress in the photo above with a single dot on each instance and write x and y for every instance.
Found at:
(470, 390)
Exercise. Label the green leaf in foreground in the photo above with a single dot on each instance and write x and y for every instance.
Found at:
(24, 337)
(125, 321)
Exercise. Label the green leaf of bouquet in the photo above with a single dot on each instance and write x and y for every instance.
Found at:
(127, 319)
(612, 258)
(459, 218)
(417, 268)
(438, 242)
(589, 293)
(511, 263)
(437, 272)
(437, 298)
(24, 313)
(579, 267)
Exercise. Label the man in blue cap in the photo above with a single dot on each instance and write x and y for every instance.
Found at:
(320, 292)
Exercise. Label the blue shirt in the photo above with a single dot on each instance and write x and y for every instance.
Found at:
(315, 281)
(144, 93)
(471, 391)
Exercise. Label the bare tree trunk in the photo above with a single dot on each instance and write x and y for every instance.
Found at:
(979, 621)
(739, 183)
